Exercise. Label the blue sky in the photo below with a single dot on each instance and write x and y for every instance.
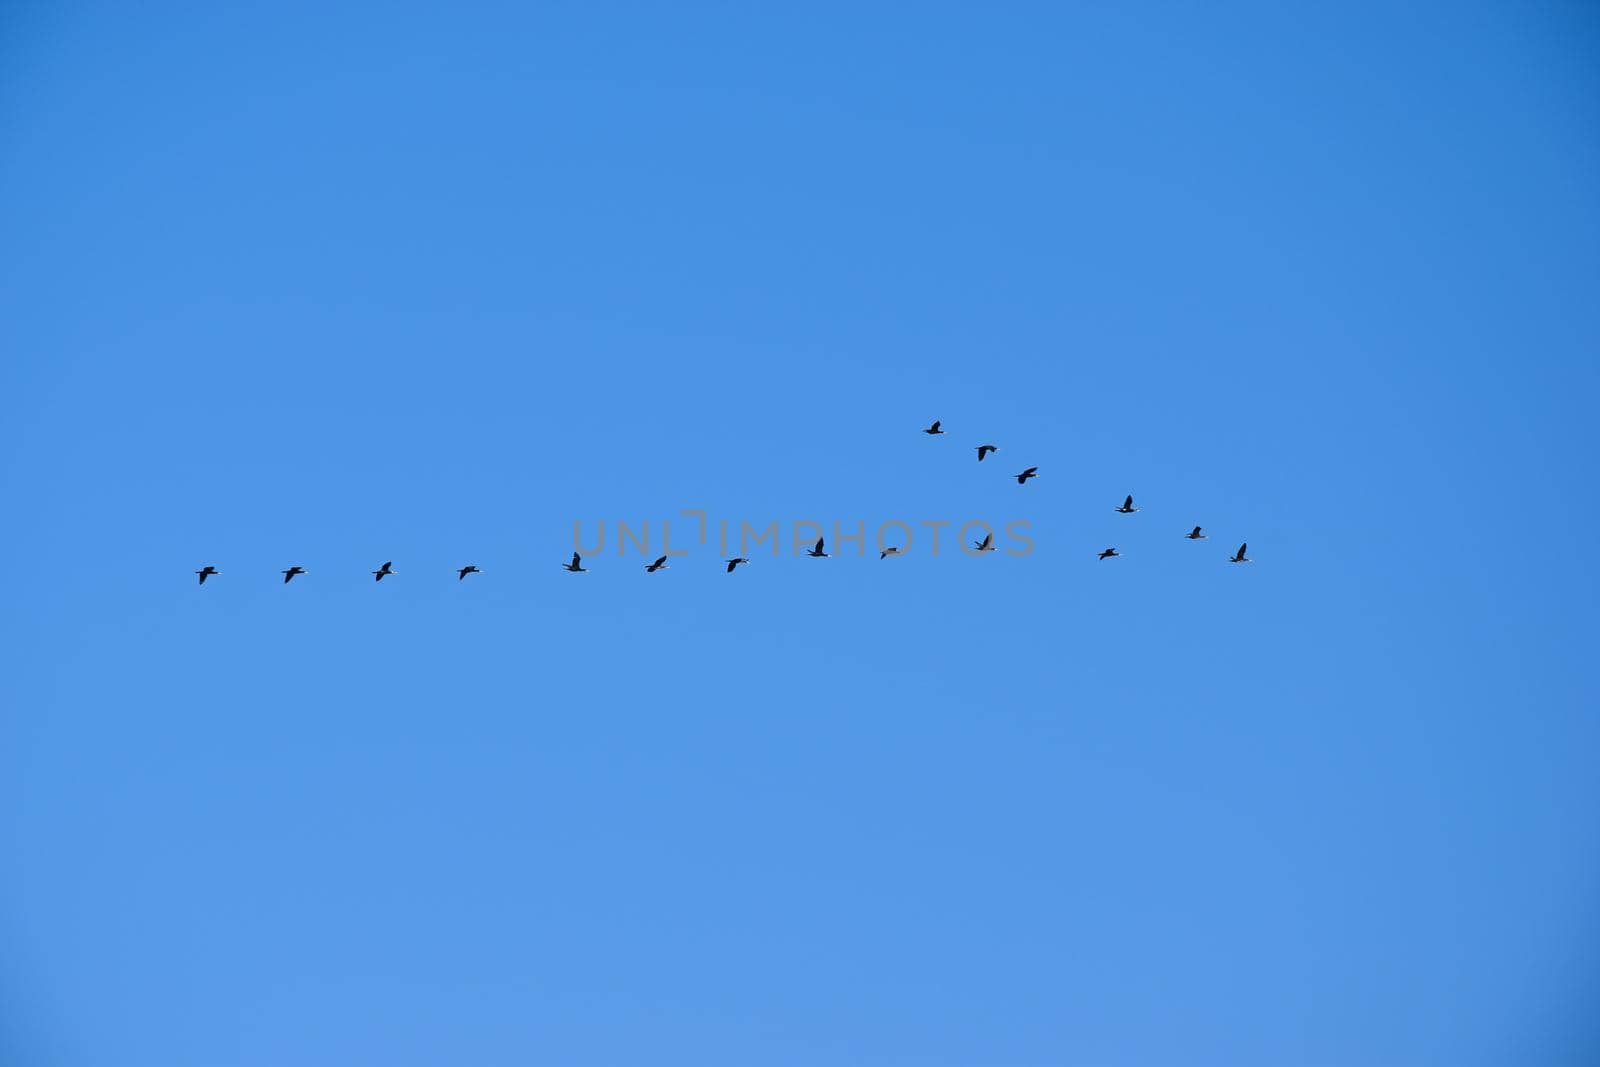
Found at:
(331, 285)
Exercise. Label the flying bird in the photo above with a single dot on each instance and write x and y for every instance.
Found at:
(1108, 553)
(886, 553)
(732, 563)
(934, 429)
(1022, 479)
(1127, 507)
(986, 545)
(206, 573)
(379, 574)
(816, 550)
(658, 565)
(576, 566)
(984, 450)
(289, 574)
(464, 571)
(1195, 535)
(1240, 557)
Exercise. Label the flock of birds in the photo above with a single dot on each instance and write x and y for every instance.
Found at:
(1127, 508)
(816, 551)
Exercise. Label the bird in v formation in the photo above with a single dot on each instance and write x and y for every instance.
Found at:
(816, 551)
(1127, 508)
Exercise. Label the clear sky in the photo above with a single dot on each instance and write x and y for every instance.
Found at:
(333, 284)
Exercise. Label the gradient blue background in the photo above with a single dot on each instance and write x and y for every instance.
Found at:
(334, 284)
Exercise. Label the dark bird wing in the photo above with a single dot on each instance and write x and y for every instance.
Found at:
(732, 563)
(577, 560)
(659, 562)
(818, 546)
(935, 426)
(1128, 501)
(1241, 550)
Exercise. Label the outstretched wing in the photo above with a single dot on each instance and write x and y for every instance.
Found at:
(1128, 501)
(818, 547)
(1241, 550)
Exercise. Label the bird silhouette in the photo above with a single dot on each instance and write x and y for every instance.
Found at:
(815, 550)
(1239, 557)
(464, 571)
(1195, 535)
(886, 553)
(984, 450)
(1108, 553)
(1031, 472)
(986, 545)
(576, 566)
(289, 574)
(1127, 507)
(384, 571)
(934, 429)
(732, 563)
(207, 572)
(659, 565)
